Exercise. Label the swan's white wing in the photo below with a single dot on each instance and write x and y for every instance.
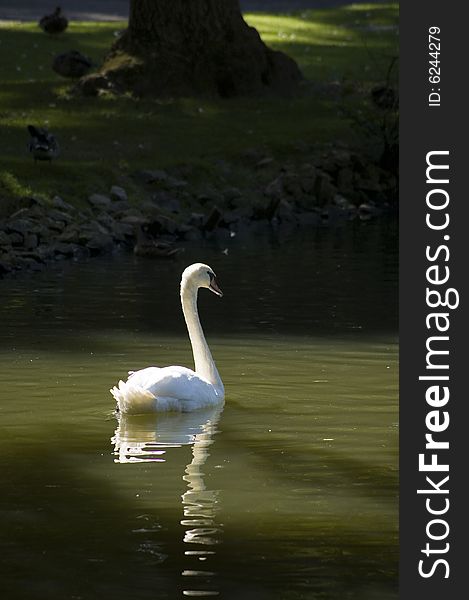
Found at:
(162, 389)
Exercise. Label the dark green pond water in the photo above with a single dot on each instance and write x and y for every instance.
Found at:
(288, 492)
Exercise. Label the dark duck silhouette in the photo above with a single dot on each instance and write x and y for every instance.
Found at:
(71, 64)
(42, 145)
(54, 23)
(384, 97)
(149, 247)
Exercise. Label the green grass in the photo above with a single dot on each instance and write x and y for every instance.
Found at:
(103, 139)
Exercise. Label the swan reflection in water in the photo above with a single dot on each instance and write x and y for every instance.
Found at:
(147, 438)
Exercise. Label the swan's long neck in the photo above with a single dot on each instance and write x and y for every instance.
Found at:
(204, 363)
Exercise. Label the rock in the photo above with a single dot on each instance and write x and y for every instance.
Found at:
(134, 220)
(119, 206)
(80, 252)
(60, 215)
(22, 212)
(275, 188)
(340, 201)
(196, 219)
(182, 229)
(4, 239)
(212, 220)
(308, 182)
(324, 189)
(285, 211)
(60, 204)
(45, 251)
(210, 196)
(16, 239)
(264, 162)
(43, 231)
(66, 249)
(367, 185)
(335, 160)
(70, 236)
(292, 185)
(33, 212)
(35, 202)
(162, 224)
(174, 183)
(367, 211)
(53, 225)
(31, 254)
(253, 155)
(123, 232)
(155, 176)
(37, 213)
(99, 201)
(19, 225)
(100, 243)
(166, 202)
(118, 193)
(30, 241)
(106, 221)
(150, 209)
(161, 177)
(271, 209)
(344, 180)
(28, 262)
(91, 230)
(231, 194)
(242, 204)
(5, 266)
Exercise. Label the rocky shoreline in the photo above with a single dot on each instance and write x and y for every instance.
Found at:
(318, 188)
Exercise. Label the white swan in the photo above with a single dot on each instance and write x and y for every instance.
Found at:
(177, 388)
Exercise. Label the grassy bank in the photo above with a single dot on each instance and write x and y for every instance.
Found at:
(341, 52)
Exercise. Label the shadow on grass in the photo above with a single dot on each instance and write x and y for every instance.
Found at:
(101, 138)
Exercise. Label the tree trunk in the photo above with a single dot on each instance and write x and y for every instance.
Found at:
(186, 47)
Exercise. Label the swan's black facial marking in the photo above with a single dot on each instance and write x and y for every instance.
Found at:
(213, 286)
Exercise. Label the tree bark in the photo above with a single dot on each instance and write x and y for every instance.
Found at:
(181, 47)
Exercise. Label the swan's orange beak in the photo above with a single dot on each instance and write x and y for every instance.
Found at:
(214, 287)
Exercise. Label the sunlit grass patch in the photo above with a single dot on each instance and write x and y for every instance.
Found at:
(103, 138)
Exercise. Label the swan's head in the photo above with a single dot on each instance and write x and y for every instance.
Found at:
(199, 275)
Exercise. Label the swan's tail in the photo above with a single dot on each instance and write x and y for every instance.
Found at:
(133, 399)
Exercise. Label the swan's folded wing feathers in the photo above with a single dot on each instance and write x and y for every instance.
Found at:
(133, 398)
(162, 389)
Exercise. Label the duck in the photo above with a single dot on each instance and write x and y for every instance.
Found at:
(384, 97)
(150, 248)
(71, 64)
(42, 145)
(176, 388)
(54, 23)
